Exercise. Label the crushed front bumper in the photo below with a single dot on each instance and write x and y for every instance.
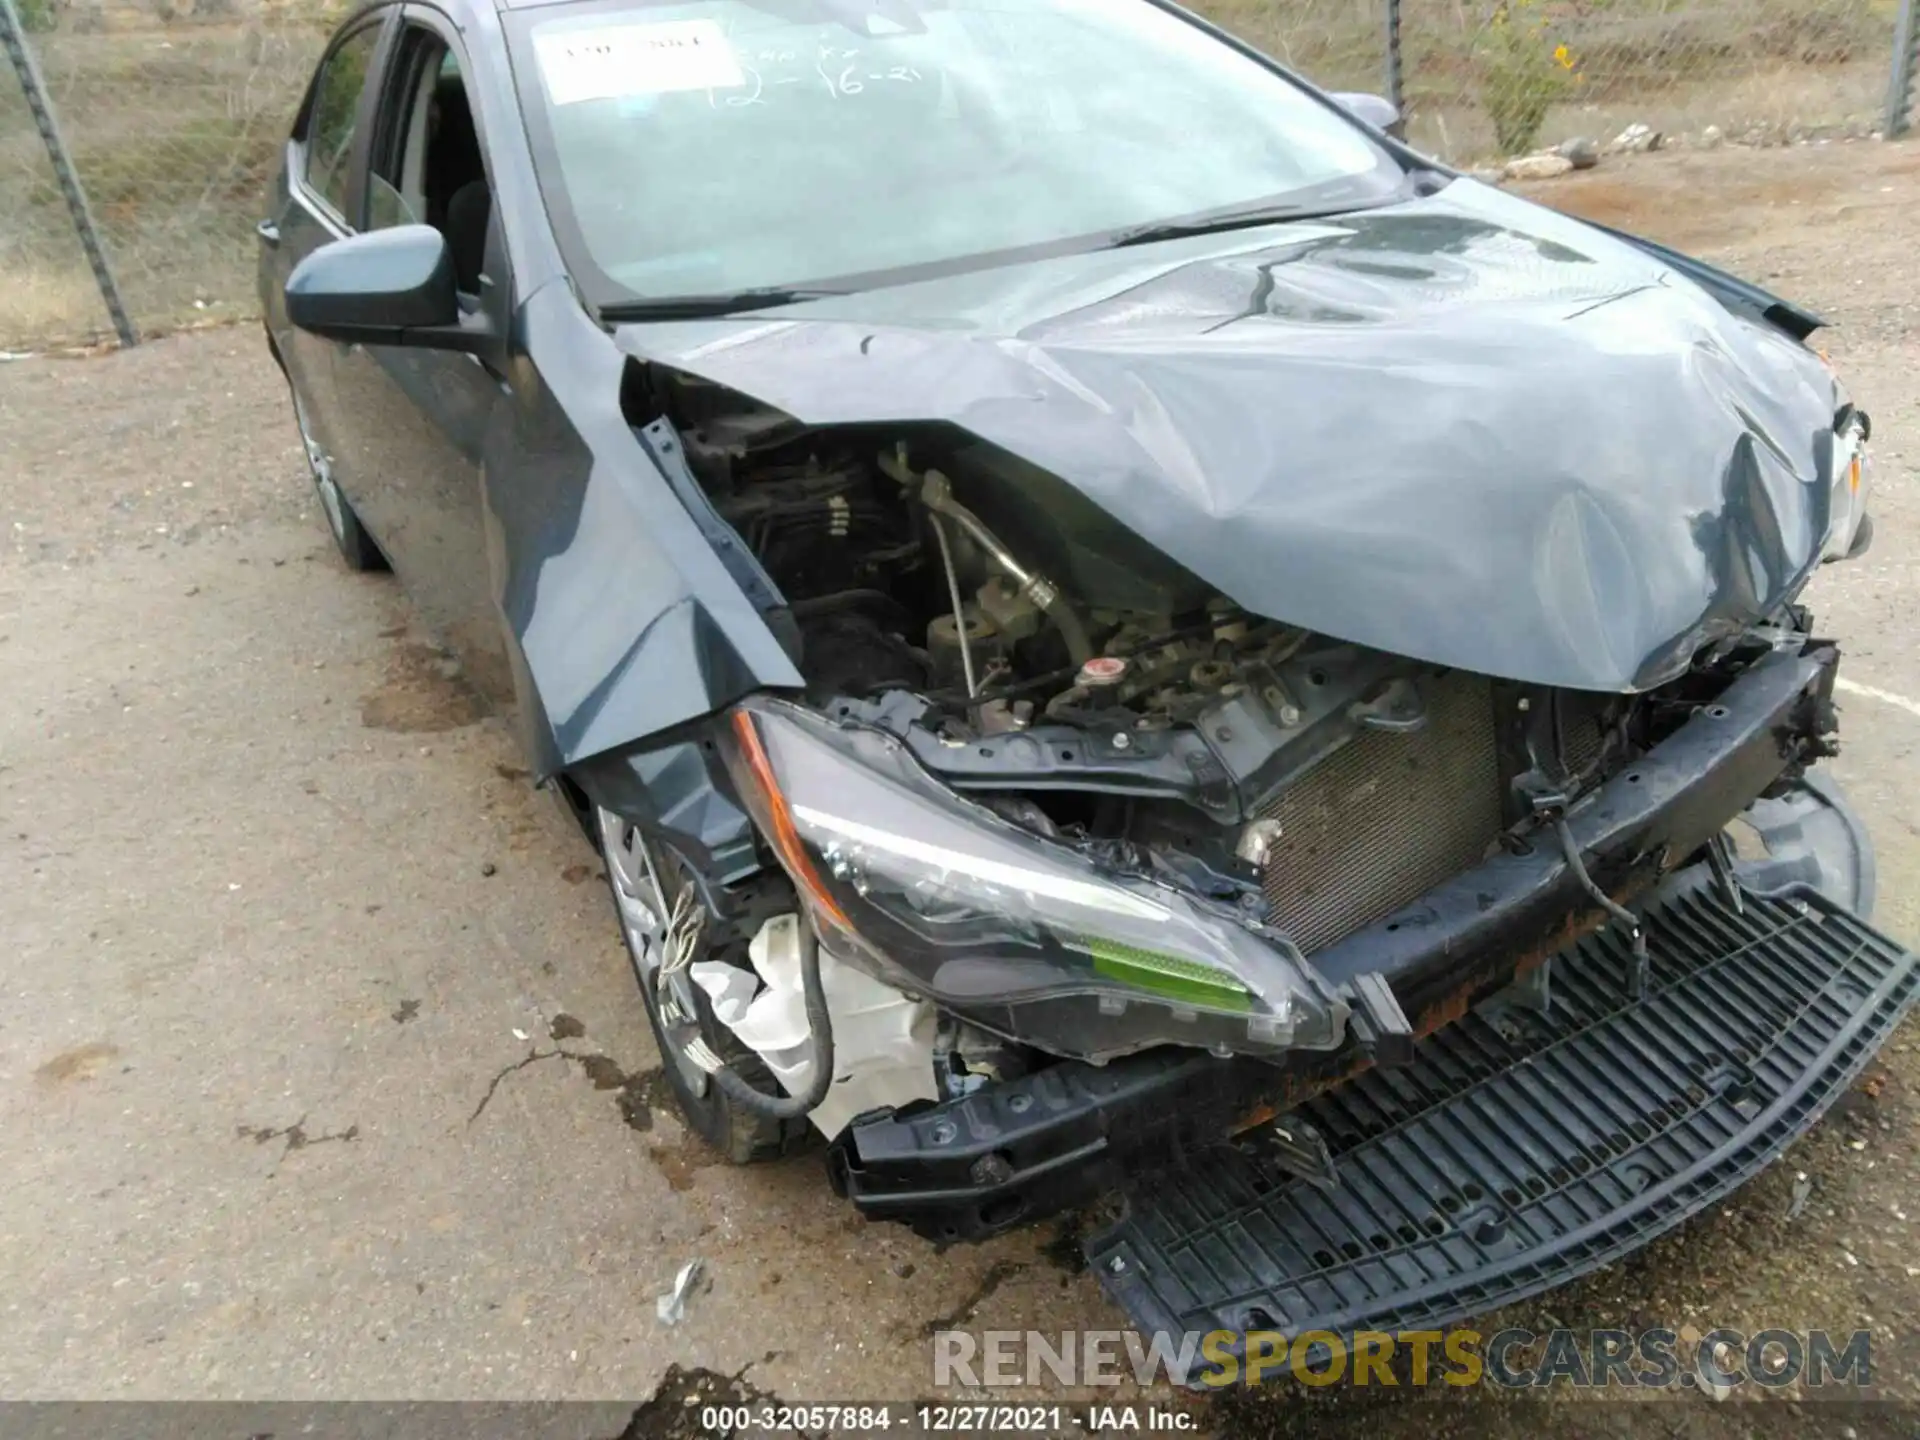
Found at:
(1531, 1139)
(1519, 1152)
(1017, 1151)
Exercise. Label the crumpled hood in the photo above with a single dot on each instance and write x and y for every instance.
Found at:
(1462, 429)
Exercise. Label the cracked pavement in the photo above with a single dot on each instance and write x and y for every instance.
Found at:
(289, 943)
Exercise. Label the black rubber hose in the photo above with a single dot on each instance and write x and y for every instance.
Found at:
(845, 600)
(792, 1107)
(1636, 932)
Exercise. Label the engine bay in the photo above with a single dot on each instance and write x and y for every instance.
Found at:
(1036, 654)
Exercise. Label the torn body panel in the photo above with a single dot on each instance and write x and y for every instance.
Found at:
(1594, 467)
(1613, 469)
(622, 620)
(1099, 714)
(1458, 945)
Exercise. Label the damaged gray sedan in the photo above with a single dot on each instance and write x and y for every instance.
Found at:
(1120, 632)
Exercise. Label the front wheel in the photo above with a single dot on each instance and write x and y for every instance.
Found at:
(679, 1010)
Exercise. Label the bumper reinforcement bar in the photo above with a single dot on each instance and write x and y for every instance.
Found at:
(1517, 1152)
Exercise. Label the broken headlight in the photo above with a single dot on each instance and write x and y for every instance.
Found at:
(1020, 935)
(1852, 482)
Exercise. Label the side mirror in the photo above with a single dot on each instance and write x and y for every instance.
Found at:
(1375, 110)
(387, 287)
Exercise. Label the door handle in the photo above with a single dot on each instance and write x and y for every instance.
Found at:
(269, 234)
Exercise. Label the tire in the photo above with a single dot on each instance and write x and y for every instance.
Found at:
(357, 547)
(742, 1135)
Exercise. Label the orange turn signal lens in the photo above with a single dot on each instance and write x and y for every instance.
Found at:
(778, 821)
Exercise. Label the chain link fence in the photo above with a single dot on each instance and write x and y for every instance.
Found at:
(173, 112)
(1485, 79)
(1903, 87)
(1698, 72)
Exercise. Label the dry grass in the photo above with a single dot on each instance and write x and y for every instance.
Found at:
(50, 299)
(175, 130)
(1773, 66)
(1769, 105)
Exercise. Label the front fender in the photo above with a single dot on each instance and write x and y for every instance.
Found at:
(620, 620)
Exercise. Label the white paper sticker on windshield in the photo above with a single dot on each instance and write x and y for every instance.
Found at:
(616, 60)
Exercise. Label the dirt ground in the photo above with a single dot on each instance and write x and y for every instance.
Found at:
(321, 1070)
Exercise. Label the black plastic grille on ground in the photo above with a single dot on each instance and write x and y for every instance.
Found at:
(1511, 1157)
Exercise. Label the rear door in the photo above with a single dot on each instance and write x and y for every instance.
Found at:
(321, 185)
(414, 421)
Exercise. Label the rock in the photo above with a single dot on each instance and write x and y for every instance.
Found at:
(1538, 167)
(1637, 139)
(1584, 153)
(1711, 137)
(1802, 1191)
(1725, 1361)
(1488, 174)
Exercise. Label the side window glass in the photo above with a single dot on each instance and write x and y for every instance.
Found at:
(336, 102)
(386, 206)
(427, 167)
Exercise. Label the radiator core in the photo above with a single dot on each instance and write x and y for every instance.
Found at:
(1386, 817)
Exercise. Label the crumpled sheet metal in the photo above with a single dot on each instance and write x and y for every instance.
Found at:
(1463, 429)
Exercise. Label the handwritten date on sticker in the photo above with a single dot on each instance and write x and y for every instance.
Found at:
(610, 61)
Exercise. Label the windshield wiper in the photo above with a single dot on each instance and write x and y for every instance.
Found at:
(699, 307)
(1421, 181)
(1231, 220)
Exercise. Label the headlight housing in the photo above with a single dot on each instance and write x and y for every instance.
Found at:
(1019, 935)
(1852, 482)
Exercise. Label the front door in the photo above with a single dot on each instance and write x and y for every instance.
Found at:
(416, 420)
(319, 189)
